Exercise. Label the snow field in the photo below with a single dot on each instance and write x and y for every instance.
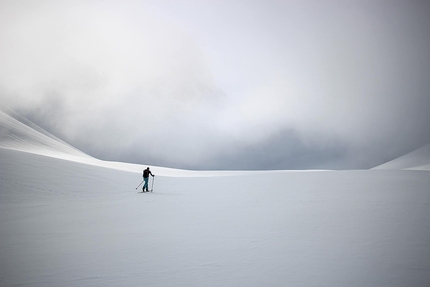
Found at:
(64, 223)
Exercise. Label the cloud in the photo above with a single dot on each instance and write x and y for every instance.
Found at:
(222, 85)
(103, 76)
(357, 73)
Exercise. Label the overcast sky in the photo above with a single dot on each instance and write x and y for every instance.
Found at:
(223, 84)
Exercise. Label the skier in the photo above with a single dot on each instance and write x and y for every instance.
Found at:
(146, 173)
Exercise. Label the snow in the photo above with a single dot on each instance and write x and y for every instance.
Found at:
(418, 159)
(67, 219)
(19, 133)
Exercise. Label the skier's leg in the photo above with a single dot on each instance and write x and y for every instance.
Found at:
(145, 186)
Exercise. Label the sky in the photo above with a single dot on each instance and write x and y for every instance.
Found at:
(222, 84)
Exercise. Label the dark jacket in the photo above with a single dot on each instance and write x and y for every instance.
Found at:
(146, 173)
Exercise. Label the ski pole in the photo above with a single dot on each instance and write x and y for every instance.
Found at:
(139, 184)
(152, 187)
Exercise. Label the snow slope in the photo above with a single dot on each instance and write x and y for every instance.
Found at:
(418, 159)
(65, 222)
(18, 133)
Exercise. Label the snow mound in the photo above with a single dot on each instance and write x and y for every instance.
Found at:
(418, 159)
(18, 133)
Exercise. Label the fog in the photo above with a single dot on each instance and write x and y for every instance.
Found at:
(223, 84)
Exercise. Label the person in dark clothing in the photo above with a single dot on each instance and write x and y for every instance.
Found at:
(146, 173)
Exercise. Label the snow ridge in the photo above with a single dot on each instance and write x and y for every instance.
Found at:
(18, 133)
(418, 159)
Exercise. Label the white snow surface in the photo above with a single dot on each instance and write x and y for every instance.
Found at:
(68, 219)
(418, 159)
(18, 133)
